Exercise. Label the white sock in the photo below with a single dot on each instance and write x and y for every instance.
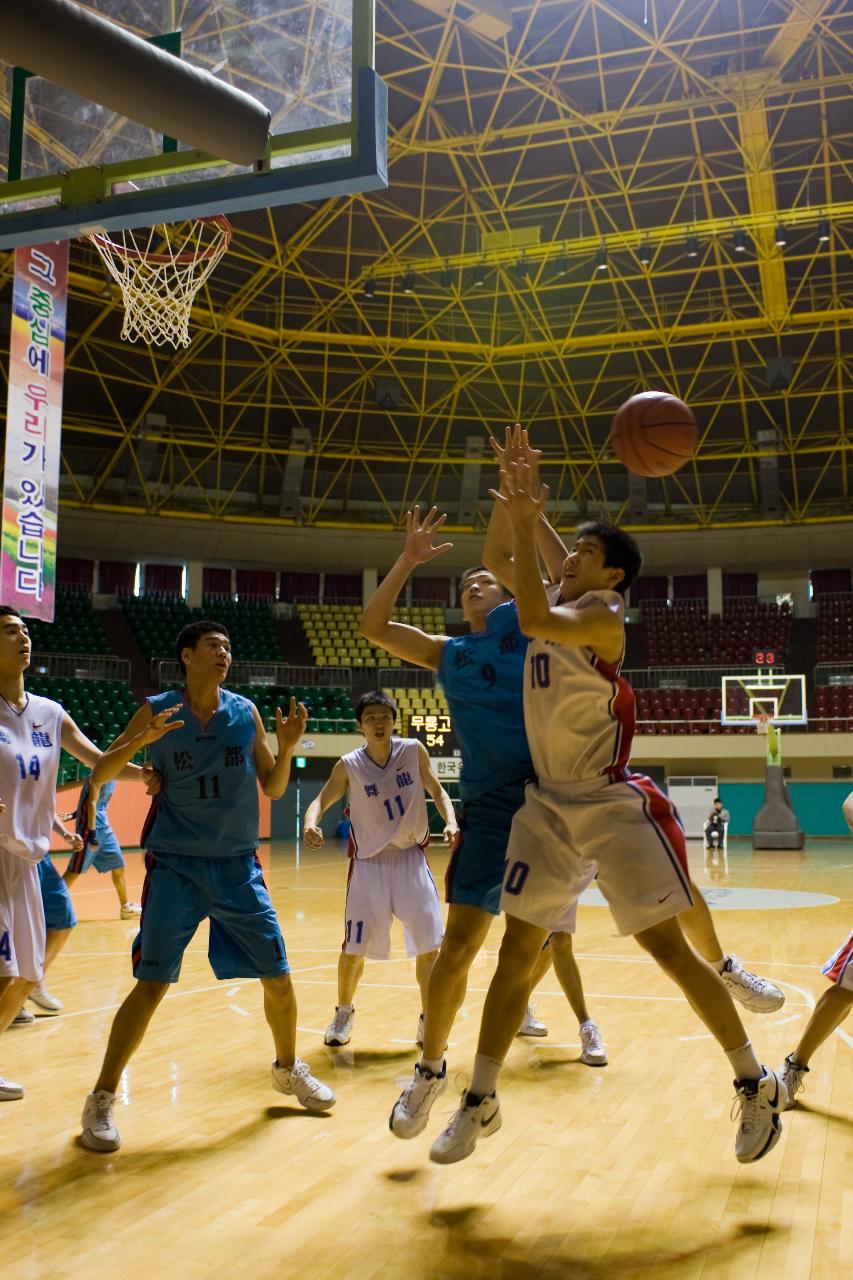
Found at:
(744, 1063)
(344, 1008)
(431, 1064)
(485, 1077)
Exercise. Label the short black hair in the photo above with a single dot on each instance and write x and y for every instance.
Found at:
(374, 698)
(189, 636)
(6, 611)
(717, 800)
(481, 568)
(620, 550)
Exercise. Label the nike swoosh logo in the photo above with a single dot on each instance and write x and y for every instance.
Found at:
(489, 1119)
(665, 896)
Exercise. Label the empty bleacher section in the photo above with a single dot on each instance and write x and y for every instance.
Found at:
(76, 627)
(332, 632)
(835, 628)
(422, 703)
(685, 634)
(833, 709)
(330, 709)
(156, 621)
(680, 711)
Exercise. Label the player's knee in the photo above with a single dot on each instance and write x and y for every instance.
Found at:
(458, 950)
(279, 987)
(151, 993)
(665, 944)
(521, 946)
(561, 943)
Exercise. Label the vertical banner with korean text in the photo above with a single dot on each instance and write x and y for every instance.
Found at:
(33, 426)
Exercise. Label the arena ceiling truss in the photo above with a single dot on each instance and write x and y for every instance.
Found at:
(585, 201)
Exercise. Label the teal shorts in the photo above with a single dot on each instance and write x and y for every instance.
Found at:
(181, 891)
(475, 872)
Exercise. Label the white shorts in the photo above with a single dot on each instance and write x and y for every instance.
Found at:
(397, 882)
(22, 931)
(839, 967)
(625, 832)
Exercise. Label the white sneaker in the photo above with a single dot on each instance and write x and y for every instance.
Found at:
(130, 910)
(9, 1090)
(298, 1080)
(48, 1003)
(593, 1052)
(24, 1018)
(419, 1034)
(791, 1079)
(531, 1026)
(755, 993)
(339, 1029)
(759, 1128)
(466, 1125)
(410, 1113)
(99, 1127)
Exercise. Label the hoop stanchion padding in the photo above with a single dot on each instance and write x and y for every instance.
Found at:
(160, 270)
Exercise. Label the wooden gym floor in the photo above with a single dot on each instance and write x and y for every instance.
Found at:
(626, 1171)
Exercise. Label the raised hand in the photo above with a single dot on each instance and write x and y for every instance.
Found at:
(524, 498)
(516, 448)
(160, 725)
(418, 547)
(288, 731)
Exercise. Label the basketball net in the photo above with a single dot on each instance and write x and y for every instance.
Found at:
(159, 270)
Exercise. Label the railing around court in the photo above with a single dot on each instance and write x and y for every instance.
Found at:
(833, 673)
(687, 677)
(80, 666)
(278, 674)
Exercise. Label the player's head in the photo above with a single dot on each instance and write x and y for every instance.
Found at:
(601, 558)
(15, 643)
(718, 802)
(376, 713)
(479, 593)
(203, 648)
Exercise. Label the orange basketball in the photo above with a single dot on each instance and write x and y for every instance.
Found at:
(654, 434)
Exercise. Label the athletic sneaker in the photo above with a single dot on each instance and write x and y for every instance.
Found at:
(130, 910)
(466, 1125)
(530, 1025)
(755, 993)
(9, 1090)
(48, 1003)
(339, 1029)
(24, 1018)
(759, 1127)
(298, 1080)
(419, 1035)
(410, 1113)
(593, 1052)
(99, 1126)
(791, 1079)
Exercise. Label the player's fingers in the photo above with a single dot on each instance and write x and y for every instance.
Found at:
(303, 712)
(544, 495)
(498, 497)
(444, 546)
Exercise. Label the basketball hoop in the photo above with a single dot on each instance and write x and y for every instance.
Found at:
(762, 723)
(159, 270)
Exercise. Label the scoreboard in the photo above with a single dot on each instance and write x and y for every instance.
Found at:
(435, 732)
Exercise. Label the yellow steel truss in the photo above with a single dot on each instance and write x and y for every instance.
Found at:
(514, 163)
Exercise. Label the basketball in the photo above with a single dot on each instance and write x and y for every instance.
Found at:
(654, 434)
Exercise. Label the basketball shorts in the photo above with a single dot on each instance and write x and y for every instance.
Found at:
(106, 855)
(475, 871)
(839, 967)
(22, 930)
(56, 900)
(397, 882)
(627, 833)
(180, 891)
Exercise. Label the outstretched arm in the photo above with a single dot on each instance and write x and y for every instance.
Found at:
(409, 643)
(498, 554)
(143, 729)
(332, 791)
(590, 620)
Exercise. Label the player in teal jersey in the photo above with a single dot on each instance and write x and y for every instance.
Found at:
(201, 838)
(482, 676)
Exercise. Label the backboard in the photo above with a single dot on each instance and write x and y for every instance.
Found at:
(71, 163)
(781, 697)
